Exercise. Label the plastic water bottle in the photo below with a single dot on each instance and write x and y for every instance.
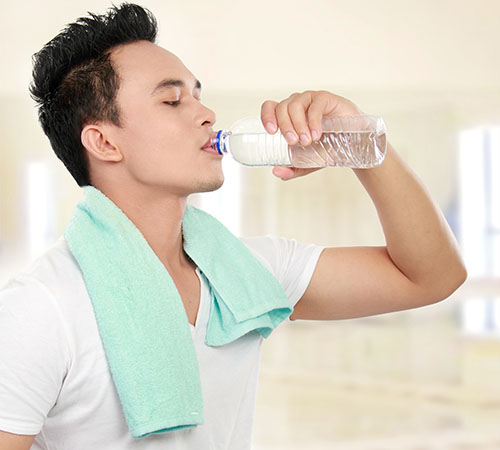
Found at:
(349, 141)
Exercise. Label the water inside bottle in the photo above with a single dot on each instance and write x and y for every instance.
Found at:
(259, 149)
(354, 149)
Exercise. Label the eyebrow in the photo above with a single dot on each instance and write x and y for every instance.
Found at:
(169, 82)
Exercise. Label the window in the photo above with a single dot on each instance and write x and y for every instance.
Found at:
(479, 160)
(40, 205)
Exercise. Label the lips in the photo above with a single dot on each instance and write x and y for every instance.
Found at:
(209, 145)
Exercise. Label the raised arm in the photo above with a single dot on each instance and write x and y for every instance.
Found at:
(420, 263)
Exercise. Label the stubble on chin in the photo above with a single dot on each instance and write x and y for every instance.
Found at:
(210, 185)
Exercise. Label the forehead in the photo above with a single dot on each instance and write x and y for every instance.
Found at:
(142, 65)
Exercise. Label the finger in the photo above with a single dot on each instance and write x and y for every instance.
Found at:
(268, 116)
(285, 173)
(315, 115)
(285, 123)
(297, 110)
(288, 173)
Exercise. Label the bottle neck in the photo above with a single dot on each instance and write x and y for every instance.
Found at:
(221, 141)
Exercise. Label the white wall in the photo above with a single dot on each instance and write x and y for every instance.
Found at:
(293, 44)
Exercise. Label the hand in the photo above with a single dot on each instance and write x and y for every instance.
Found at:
(299, 119)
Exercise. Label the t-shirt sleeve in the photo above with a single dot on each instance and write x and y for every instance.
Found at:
(33, 356)
(290, 261)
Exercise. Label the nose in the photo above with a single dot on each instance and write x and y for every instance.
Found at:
(206, 116)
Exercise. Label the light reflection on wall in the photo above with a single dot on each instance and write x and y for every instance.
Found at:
(40, 204)
(479, 155)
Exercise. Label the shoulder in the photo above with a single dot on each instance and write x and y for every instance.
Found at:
(35, 353)
(33, 297)
(56, 267)
(292, 262)
(54, 271)
(279, 253)
(31, 323)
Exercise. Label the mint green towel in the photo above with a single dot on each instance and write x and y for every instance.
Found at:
(141, 317)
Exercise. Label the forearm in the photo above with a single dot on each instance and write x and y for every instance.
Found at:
(419, 240)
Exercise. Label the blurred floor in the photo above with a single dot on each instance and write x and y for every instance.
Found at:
(317, 413)
(332, 385)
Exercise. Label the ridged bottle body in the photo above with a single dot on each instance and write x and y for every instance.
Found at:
(349, 141)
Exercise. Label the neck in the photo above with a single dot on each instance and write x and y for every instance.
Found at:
(159, 219)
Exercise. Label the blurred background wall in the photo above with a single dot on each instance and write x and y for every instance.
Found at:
(421, 379)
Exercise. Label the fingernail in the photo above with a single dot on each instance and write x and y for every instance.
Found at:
(315, 135)
(271, 127)
(304, 139)
(290, 137)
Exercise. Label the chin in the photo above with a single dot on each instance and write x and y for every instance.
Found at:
(210, 185)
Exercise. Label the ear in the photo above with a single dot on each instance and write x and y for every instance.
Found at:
(95, 140)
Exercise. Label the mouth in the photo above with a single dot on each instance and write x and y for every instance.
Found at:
(209, 146)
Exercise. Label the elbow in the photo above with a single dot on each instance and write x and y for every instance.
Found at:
(451, 279)
(457, 278)
(462, 275)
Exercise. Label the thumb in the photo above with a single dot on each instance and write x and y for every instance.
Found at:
(288, 173)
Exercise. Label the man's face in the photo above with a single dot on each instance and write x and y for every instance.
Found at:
(161, 142)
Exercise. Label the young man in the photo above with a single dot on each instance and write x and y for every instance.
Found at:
(124, 115)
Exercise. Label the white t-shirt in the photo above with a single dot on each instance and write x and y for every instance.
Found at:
(55, 381)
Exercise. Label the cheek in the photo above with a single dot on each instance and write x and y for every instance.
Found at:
(153, 151)
(152, 130)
